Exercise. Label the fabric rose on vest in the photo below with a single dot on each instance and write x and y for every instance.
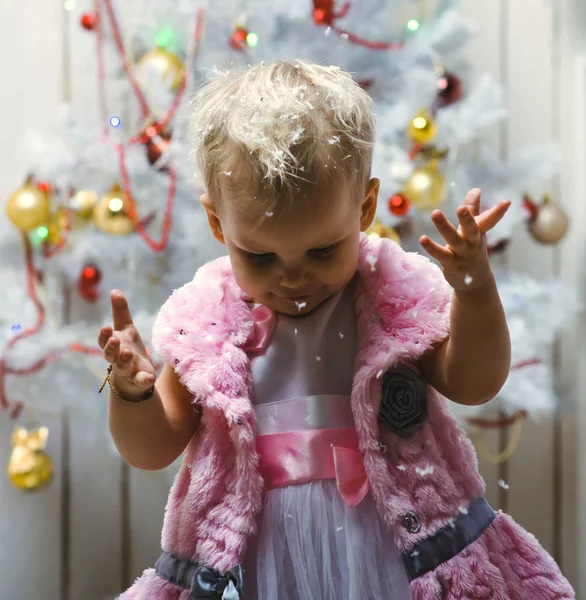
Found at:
(403, 407)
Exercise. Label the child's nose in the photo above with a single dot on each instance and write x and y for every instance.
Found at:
(293, 278)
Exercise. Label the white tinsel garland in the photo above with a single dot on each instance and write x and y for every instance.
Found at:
(401, 82)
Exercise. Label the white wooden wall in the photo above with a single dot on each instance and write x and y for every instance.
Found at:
(97, 527)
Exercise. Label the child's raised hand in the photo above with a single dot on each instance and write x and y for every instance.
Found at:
(132, 371)
(464, 258)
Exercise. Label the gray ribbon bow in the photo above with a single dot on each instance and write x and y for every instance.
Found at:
(207, 583)
(201, 581)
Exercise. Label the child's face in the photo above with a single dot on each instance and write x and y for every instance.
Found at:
(295, 262)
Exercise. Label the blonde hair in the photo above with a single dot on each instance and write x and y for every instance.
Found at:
(271, 131)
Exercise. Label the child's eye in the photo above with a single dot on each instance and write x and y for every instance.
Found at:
(321, 252)
(261, 259)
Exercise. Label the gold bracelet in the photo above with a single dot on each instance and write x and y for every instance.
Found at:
(108, 379)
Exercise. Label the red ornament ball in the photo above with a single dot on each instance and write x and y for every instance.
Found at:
(157, 142)
(156, 149)
(449, 89)
(322, 17)
(399, 205)
(88, 21)
(88, 292)
(323, 12)
(87, 285)
(44, 186)
(90, 275)
(237, 40)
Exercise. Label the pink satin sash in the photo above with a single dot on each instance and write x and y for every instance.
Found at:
(308, 412)
(300, 456)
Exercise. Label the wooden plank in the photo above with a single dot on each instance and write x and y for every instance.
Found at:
(567, 525)
(572, 347)
(147, 500)
(529, 93)
(82, 84)
(30, 527)
(485, 55)
(31, 524)
(33, 74)
(95, 519)
(95, 530)
(570, 352)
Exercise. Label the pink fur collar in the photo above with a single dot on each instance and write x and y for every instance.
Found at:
(420, 484)
(402, 307)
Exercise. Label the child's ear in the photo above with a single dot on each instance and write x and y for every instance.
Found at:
(369, 202)
(213, 218)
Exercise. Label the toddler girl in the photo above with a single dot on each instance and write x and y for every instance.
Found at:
(307, 374)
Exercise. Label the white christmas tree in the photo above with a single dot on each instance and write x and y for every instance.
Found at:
(114, 203)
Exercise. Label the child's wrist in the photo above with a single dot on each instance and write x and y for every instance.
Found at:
(477, 289)
(122, 388)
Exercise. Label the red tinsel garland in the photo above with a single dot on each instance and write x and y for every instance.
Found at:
(31, 275)
(31, 280)
(325, 14)
(167, 219)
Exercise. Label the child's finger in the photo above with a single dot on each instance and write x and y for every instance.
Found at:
(447, 230)
(126, 356)
(144, 379)
(468, 224)
(112, 350)
(472, 201)
(105, 334)
(492, 216)
(435, 250)
(120, 311)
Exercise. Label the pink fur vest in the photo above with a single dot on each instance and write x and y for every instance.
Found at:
(422, 483)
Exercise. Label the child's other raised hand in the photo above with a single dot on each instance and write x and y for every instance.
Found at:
(132, 371)
(464, 258)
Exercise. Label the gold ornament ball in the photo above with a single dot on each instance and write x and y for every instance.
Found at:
(28, 208)
(62, 218)
(82, 203)
(550, 224)
(167, 65)
(422, 129)
(425, 189)
(378, 230)
(30, 467)
(52, 232)
(54, 235)
(113, 214)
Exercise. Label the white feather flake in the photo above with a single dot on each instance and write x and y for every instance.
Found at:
(372, 260)
(424, 472)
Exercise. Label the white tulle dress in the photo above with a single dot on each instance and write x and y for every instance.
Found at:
(310, 545)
